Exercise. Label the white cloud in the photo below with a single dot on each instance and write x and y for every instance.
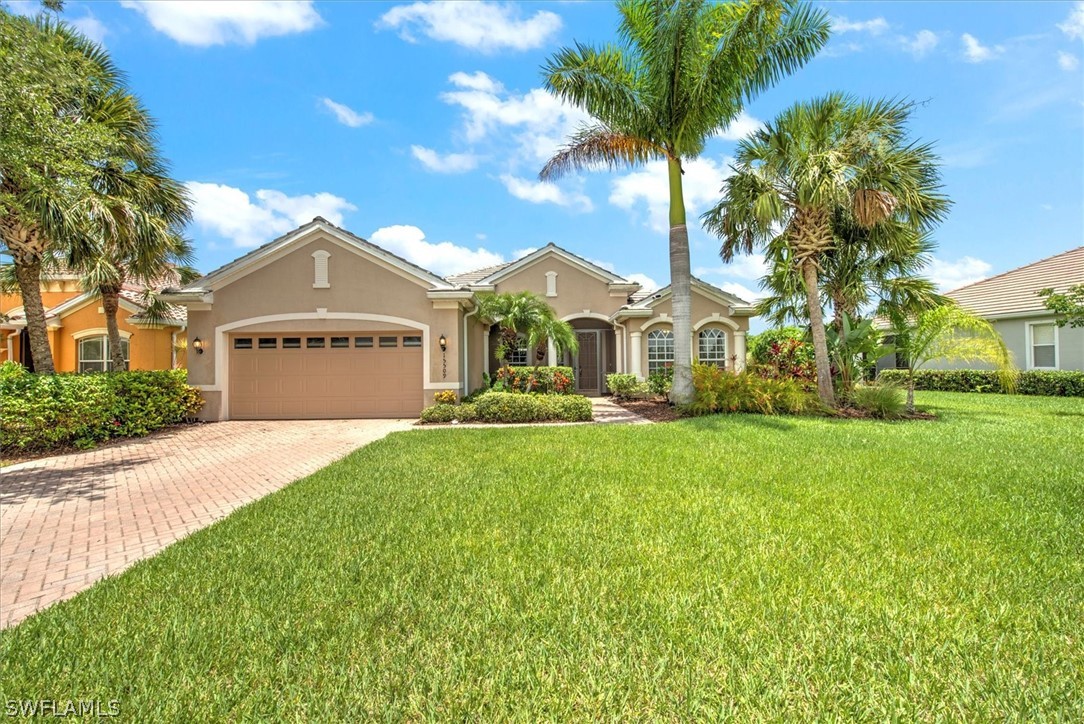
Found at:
(748, 266)
(486, 27)
(219, 22)
(91, 27)
(544, 192)
(1074, 24)
(952, 274)
(347, 115)
(1046, 207)
(741, 291)
(520, 253)
(539, 122)
(1068, 61)
(921, 44)
(976, 52)
(646, 283)
(448, 163)
(443, 257)
(649, 187)
(741, 127)
(876, 26)
(232, 213)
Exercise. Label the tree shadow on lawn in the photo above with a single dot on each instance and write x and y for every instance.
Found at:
(58, 484)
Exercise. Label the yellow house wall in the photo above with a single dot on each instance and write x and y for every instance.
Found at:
(148, 349)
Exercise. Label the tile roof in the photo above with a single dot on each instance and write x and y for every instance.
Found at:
(1017, 291)
(643, 299)
(473, 277)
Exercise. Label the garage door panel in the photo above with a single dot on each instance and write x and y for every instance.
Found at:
(273, 382)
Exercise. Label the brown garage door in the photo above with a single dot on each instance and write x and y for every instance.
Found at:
(296, 375)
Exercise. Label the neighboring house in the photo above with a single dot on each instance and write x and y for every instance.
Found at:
(1011, 302)
(77, 333)
(320, 323)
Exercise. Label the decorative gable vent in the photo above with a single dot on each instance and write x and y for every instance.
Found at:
(551, 284)
(319, 259)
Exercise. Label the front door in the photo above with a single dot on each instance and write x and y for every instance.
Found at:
(587, 364)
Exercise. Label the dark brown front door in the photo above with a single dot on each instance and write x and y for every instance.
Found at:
(587, 364)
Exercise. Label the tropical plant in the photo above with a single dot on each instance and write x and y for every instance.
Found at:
(526, 315)
(1069, 304)
(883, 400)
(854, 349)
(952, 334)
(681, 76)
(816, 158)
(64, 115)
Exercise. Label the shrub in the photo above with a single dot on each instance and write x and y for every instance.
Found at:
(44, 412)
(625, 386)
(788, 359)
(513, 407)
(886, 400)
(720, 391)
(760, 345)
(1030, 382)
(446, 397)
(660, 381)
(544, 380)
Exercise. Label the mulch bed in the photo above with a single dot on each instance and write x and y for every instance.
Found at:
(656, 410)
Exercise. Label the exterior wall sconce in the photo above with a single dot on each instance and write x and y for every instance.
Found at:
(443, 343)
(197, 344)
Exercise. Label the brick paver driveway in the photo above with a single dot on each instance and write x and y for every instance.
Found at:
(67, 521)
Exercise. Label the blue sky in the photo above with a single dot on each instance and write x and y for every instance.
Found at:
(423, 127)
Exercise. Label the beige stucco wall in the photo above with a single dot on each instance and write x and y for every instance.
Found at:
(359, 284)
(576, 289)
(703, 307)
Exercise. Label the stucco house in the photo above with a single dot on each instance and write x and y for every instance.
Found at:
(75, 322)
(321, 323)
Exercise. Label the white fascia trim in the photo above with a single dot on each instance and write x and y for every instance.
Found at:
(228, 275)
(537, 256)
(222, 354)
(97, 332)
(586, 315)
(449, 294)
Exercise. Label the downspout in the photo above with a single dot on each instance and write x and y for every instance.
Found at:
(463, 370)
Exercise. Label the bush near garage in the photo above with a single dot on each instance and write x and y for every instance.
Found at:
(509, 407)
(1046, 383)
(545, 380)
(49, 412)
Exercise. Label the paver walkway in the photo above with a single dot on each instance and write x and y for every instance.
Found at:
(67, 521)
(608, 412)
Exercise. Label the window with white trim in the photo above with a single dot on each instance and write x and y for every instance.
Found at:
(1044, 346)
(94, 353)
(660, 350)
(520, 356)
(712, 347)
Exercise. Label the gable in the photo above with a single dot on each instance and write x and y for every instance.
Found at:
(552, 253)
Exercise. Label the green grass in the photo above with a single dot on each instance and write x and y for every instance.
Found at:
(748, 566)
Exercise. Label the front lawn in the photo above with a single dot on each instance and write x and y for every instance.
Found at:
(761, 567)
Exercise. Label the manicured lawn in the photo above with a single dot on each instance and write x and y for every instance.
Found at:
(749, 566)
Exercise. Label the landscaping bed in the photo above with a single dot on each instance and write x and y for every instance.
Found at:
(656, 409)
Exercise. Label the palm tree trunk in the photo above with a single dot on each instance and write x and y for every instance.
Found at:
(28, 274)
(681, 390)
(911, 392)
(816, 324)
(110, 306)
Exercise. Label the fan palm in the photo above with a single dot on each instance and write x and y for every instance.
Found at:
(525, 314)
(682, 75)
(815, 158)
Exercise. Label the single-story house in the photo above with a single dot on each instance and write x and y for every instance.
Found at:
(321, 323)
(1011, 303)
(75, 322)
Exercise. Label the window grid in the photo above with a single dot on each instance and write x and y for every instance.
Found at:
(94, 354)
(712, 347)
(660, 350)
(1043, 342)
(520, 356)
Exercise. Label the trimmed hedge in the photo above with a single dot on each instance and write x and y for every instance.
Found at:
(543, 380)
(1030, 382)
(45, 412)
(513, 407)
(625, 386)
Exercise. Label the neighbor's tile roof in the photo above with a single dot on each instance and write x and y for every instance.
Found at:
(473, 277)
(1017, 291)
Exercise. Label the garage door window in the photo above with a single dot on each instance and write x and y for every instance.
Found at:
(314, 342)
(269, 343)
(389, 341)
(340, 342)
(412, 341)
(291, 343)
(363, 342)
(242, 343)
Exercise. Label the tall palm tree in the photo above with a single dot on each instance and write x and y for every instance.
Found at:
(681, 76)
(526, 314)
(817, 157)
(63, 113)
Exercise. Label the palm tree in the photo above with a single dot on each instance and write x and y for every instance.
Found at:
(682, 75)
(952, 334)
(525, 314)
(63, 114)
(815, 158)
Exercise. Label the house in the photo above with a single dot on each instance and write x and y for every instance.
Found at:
(321, 323)
(77, 334)
(1011, 303)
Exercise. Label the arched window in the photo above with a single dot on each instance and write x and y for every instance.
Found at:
(94, 353)
(712, 347)
(660, 350)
